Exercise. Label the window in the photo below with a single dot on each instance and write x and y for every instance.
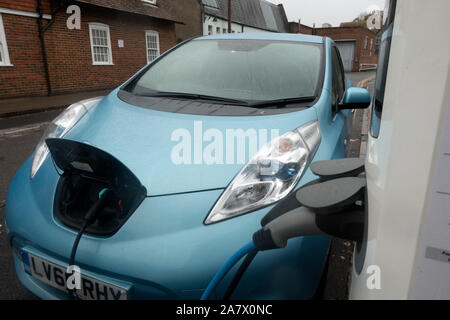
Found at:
(218, 30)
(371, 44)
(152, 39)
(224, 30)
(366, 39)
(382, 71)
(210, 30)
(211, 3)
(153, 2)
(380, 83)
(4, 56)
(338, 79)
(100, 44)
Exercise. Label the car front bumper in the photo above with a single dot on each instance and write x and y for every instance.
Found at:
(164, 251)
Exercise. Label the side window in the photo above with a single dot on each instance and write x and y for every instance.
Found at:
(382, 71)
(338, 78)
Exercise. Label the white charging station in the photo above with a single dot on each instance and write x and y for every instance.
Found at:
(408, 161)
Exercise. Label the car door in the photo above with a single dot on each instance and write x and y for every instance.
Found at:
(342, 120)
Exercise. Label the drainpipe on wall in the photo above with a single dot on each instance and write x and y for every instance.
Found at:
(42, 41)
(42, 28)
(229, 16)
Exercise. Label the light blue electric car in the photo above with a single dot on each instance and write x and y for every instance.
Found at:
(194, 151)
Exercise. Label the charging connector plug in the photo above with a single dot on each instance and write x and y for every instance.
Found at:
(296, 223)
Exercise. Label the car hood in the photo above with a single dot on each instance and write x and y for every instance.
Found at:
(144, 140)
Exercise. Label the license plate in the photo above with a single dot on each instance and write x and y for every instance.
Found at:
(55, 276)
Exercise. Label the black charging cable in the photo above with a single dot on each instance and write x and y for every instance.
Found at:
(90, 218)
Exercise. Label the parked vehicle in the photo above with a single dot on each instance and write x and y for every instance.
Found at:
(406, 250)
(174, 215)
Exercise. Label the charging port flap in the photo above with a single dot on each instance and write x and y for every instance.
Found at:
(86, 171)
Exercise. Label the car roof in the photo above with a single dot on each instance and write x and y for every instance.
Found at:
(265, 36)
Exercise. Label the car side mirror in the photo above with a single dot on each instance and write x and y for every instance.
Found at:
(355, 98)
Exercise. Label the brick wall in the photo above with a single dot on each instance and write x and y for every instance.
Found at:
(26, 76)
(294, 27)
(190, 12)
(69, 52)
(362, 55)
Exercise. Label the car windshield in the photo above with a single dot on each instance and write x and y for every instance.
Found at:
(244, 70)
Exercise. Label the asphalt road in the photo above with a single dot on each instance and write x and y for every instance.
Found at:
(14, 149)
(18, 138)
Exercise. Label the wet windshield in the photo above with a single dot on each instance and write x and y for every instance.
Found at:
(250, 70)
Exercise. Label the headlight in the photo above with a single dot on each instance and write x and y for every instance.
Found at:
(59, 128)
(270, 175)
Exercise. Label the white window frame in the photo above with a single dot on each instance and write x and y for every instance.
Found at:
(151, 2)
(4, 46)
(153, 33)
(103, 27)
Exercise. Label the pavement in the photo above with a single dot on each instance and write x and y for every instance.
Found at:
(27, 105)
(358, 77)
(19, 136)
(15, 147)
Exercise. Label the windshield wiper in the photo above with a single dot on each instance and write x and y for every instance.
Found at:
(261, 104)
(194, 96)
(281, 102)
